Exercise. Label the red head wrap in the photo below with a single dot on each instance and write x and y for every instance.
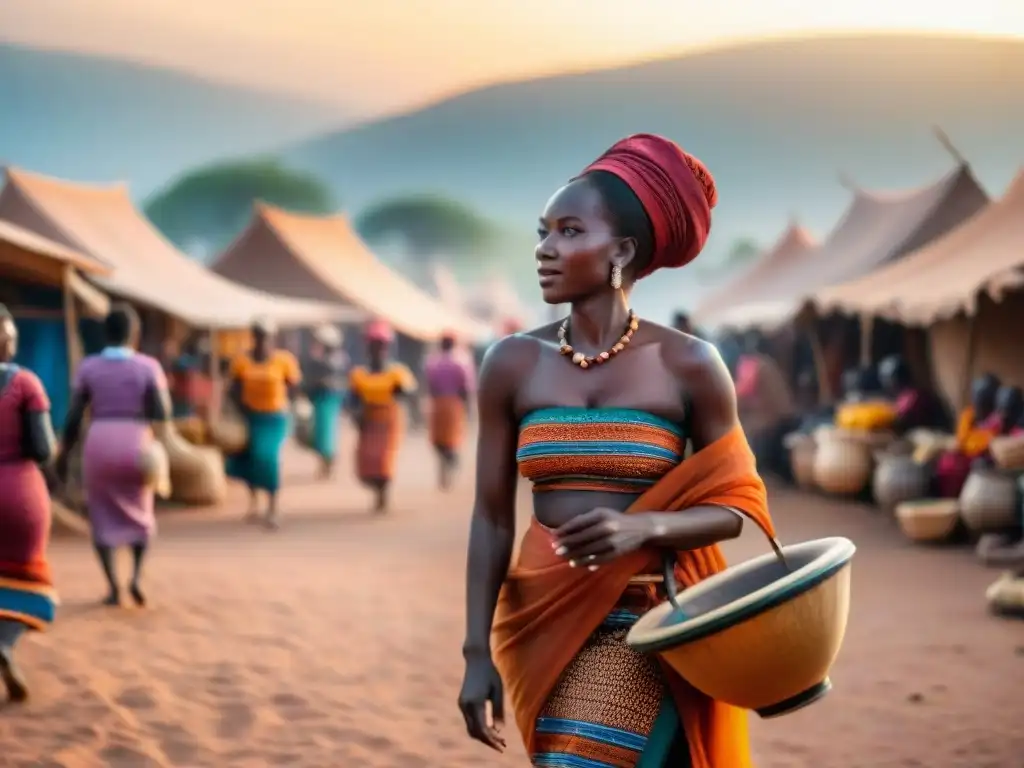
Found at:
(379, 330)
(675, 188)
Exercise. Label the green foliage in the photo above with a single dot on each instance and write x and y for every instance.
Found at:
(428, 225)
(211, 205)
(742, 252)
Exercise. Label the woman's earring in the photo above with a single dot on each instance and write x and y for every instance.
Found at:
(616, 280)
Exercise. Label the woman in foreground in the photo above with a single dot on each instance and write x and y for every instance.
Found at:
(375, 392)
(126, 395)
(27, 598)
(263, 384)
(596, 411)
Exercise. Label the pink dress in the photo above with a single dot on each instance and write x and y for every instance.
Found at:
(25, 594)
(120, 504)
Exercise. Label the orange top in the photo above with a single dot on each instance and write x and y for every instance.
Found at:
(265, 384)
(547, 609)
(971, 439)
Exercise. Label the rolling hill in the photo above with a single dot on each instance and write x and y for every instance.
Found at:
(98, 119)
(775, 121)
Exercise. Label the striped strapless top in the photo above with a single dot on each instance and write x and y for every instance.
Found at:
(597, 449)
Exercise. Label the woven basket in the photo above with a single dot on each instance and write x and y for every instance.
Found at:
(928, 520)
(201, 480)
(229, 433)
(197, 473)
(192, 429)
(1008, 451)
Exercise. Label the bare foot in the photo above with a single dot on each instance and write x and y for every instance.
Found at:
(17, 689)
(137, 596)
(270, 523)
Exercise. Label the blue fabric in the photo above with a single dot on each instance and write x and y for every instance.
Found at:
(15, 602)
(326, 421)
(658, 750)
(43, 349)
(259, 465)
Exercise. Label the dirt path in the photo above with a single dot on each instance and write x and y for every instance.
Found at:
(336, 643)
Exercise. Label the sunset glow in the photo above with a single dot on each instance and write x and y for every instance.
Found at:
(386, 54)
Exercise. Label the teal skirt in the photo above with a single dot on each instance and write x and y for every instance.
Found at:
(259, 465)
(326, 421)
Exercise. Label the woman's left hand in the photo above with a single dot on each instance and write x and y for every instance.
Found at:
(600, 536)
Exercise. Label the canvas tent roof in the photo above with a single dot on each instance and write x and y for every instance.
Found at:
(984, 254)
(31, 256)
(877, 227)
(13, 237)
(322, 257)
(793, 245)
(102, 221)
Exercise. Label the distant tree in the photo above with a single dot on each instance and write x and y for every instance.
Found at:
(204, 209)
(743, 251)
(427, 226)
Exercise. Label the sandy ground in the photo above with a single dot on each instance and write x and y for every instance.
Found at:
(335, 642)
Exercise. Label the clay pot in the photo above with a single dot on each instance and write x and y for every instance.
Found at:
(1008, 452)
(988, 501)
(898, 478)
(842, 465)
(802, 449)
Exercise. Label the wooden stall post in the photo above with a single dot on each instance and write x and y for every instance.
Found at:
(969, 358)
(867, 339)
(74, 342)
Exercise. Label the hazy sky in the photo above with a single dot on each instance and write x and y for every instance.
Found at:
(386, 54)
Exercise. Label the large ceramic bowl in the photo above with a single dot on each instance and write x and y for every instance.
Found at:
(928, 520)
(760, 635)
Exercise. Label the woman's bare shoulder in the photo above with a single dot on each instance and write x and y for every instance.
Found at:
(692, 360)
(511, 357)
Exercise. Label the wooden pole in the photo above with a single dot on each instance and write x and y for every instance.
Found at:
(820, 364)
(216, 386)
(969, 359)
(948, 145)
(73, 341)
(867, 338)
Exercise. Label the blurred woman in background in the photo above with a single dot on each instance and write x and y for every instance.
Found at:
(375, 392)
(264, 382)
(126, 394)
(449, 385)
(325, 388)
(27, 598)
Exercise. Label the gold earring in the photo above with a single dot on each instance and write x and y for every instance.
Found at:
(616, 280)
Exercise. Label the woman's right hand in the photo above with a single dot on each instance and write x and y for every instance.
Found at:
(482, 684)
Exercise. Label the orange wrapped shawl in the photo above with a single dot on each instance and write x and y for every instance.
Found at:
(547, 609)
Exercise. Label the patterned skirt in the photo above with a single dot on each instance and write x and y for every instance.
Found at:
(380, 435)
(611, 708)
